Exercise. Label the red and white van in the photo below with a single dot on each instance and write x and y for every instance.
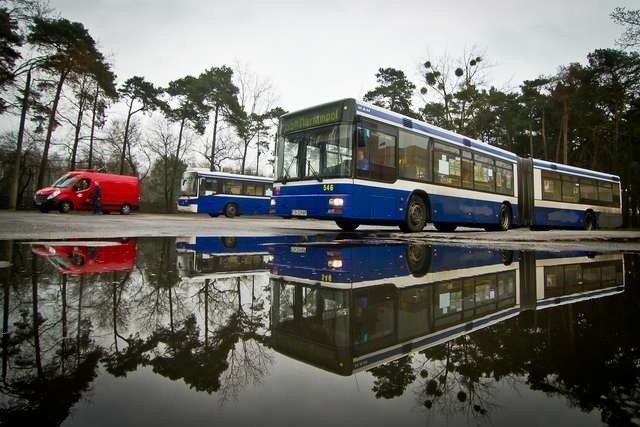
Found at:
(120, 193)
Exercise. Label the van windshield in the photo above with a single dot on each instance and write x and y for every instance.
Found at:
(65, 181)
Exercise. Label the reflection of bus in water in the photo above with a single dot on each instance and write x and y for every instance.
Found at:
(83, 257)
(217, 257)
(330, 311)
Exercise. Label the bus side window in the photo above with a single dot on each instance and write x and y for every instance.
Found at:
(208, 186)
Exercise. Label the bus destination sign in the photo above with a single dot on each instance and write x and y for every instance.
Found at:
(321, 116)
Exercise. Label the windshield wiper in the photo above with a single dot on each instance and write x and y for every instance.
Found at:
(313, 171)
(285, 177)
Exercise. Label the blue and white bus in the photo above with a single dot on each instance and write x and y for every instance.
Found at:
(356, 163)
(215, 193)
(330, 312)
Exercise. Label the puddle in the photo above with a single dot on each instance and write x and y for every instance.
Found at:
(279, 329)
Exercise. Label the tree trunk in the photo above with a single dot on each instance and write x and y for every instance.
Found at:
(126, 138)
(93, 125)
(530, 138)
(544, 135)
(36, 317)
(76, 136)
(52, 124)
(176, 163)
(559, 142)
(596, 148)
(244, 157)
(212, 167)
(565, 132)
(15, 180)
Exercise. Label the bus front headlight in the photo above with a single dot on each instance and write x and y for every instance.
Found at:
(334, 263)
(336, 202)
(273, 202)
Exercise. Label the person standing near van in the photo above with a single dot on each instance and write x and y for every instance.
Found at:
(96, 198)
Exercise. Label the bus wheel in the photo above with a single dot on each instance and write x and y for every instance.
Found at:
(445, 227)
(505, 218)
(229, 242)
(346, 225)
(416, 215)
(230, 210)
(418, 259)
(125, 209)
(65, 207)
(589, 221)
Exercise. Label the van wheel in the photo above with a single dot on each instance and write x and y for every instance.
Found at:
(65, 207)
(231, 210)
(125, 209)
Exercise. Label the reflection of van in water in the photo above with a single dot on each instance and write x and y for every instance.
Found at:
(81, 258)
(120, 193)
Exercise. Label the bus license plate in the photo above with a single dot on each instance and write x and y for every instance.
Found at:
(298, 250)
(299, 212)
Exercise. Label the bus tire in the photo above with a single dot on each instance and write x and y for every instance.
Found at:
(229, 242)
(418, 259)
(445, 227)
(504, 219)
(125, 209)
(65, 206)
(507, 256)
(346, 225)
(416, 215)
(589, 221)
(230, 210)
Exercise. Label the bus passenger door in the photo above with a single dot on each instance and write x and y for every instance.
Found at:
(525, 191)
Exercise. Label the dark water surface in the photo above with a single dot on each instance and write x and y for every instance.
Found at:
(313, 331)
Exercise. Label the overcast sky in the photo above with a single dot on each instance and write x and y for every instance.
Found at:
(316, 51)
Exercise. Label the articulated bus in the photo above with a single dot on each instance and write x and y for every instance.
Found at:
(329, 312)
(356, 163)
(216, 193)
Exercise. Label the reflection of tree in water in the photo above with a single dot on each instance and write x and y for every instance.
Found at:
(392, 378)
(214, 347)
(457, 378)
(46, 367)
(586, 352)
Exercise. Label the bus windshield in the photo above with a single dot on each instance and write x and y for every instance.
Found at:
(188, 187)
(323, 152)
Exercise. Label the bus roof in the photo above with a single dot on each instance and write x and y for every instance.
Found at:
(400, 120)
(559, 167)
(227, 175)
(406, 122)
